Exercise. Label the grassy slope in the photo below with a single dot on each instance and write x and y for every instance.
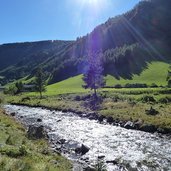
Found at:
(156, 72)
(70, 85)
(13, 144)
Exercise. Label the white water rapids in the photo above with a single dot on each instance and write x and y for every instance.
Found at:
(134, 150)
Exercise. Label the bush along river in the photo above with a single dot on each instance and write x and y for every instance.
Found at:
(88, 142)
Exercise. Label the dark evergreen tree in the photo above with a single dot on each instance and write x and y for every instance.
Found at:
(40, 81)
(93, 77)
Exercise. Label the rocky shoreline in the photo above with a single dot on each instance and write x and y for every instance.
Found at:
(137, 125)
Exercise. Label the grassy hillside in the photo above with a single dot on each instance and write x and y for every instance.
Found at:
(19, 153)
(70, 85)
(156, 72)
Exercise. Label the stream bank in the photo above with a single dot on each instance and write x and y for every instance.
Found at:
(121, 149)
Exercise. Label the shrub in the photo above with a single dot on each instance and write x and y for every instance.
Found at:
(136, 85)
(165, 100)
(1, 99)
(117, 86)
(12, 90)
(100, 166)
(147, 99)
(25, 99)
(153, 85)
(152, 112)
(13, 152)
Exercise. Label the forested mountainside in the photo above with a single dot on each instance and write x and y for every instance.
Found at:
(128, 43)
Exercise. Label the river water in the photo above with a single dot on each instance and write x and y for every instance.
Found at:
(132, 150)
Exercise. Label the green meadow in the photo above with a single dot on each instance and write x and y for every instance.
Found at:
(121, 103)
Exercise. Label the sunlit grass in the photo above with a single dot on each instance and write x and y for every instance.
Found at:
(156, 72)
(19, 153)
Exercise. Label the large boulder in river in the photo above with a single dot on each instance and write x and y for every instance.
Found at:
(36, 132)
(82, 149)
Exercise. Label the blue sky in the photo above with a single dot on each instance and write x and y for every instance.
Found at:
(34, 20)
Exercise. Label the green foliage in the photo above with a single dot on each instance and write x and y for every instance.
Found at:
(100, 166)
(148, 98)
(19, 86)
(93, 77)
(40, 81)
(165, 100)
(12, 90)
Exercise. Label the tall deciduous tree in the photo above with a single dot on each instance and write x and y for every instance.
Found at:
(93, 77)
(40, 81)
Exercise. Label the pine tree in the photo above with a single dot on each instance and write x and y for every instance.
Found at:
(93, 77)
(40, 82)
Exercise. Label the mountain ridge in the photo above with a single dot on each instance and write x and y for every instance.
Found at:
(135, 38)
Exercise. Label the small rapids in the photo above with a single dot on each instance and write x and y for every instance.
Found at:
(121, 149)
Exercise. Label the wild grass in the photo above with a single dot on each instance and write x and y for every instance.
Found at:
(19, 153)
(126, 105)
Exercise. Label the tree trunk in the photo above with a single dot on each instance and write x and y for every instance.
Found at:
(40, 95)
(95, 93)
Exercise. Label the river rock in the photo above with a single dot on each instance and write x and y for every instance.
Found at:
(36, 132)
(110, 120)
(101, 118)
(164, 130)
(148, 128)
(61, 141)
(129, 125)
(114, 162)
(138, 124)
(82, 149)
(88, 168)
(13, 114)
(39, 120)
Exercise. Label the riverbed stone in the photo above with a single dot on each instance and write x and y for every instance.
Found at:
(114, 162)
(36, 132)
(110, 120)
(129, 125)
(13, 114)
(148, 128)
(89, 168)
(82, 149)
(101, 118)
(39, 120)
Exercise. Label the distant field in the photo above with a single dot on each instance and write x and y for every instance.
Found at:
(155, 73)
(71, 85)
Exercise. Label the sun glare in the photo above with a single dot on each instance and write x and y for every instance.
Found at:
(92, 3)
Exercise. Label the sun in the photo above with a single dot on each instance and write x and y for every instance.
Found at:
(90, 2)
